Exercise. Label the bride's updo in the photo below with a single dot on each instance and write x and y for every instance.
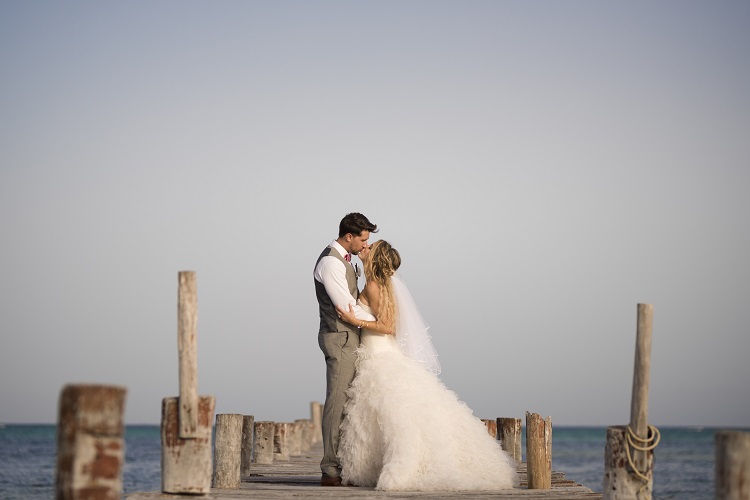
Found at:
(381, 263)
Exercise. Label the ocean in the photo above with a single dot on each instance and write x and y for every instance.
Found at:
(683, 461)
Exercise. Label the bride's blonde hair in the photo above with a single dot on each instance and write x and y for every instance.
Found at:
(380, 265)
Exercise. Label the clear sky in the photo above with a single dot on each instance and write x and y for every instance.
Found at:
(542, 167)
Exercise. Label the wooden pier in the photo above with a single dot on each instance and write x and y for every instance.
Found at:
(300, 478)
(282, 460)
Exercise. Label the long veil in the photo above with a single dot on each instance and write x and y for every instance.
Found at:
(411, 330)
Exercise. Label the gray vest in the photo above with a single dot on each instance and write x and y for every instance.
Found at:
(329, 320)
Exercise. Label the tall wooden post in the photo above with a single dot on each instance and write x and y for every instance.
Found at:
(187, 344)
(509, 434)
(90, 446)
(641, 376)
(628, 471)
(538, 451)
(227, 451)
(186, 421)
(732, 465)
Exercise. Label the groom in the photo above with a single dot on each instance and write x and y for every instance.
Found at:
(336, 285)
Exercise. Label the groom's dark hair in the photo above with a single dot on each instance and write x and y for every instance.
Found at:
(355, 223)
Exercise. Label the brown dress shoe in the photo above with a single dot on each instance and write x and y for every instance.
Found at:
(326, 480)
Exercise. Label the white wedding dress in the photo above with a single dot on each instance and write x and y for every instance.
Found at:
(403, 429)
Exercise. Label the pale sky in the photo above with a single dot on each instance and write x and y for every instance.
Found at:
(542, 167)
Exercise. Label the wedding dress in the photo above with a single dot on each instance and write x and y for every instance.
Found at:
(403, 429)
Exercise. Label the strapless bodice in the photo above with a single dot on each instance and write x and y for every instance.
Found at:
(375, 342)
(367, 310)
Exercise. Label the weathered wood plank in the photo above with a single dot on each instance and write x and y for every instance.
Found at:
(300, 477)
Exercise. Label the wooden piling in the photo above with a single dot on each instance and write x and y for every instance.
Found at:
(248, 435)
(187, 344)
(620, 482)
(90, 446)
(316, 415)
(732, 449)
(310, 434)
(641, 376)
(280, 442)
(263, 447)
(509, 434)
(227, 451)
(306, 434)
(295, 438)
(186, 462)
(186, 420)
(628, 459)
(539, 451)
(491, 427)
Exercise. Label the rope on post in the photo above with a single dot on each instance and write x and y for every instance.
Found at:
(646, 444)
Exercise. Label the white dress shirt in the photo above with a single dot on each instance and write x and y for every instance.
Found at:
(332, 273)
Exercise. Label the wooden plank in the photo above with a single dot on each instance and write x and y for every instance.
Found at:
(300, 478)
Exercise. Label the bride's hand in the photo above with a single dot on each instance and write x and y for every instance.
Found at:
(347, 316)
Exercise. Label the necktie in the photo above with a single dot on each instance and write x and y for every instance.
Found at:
(348, 257)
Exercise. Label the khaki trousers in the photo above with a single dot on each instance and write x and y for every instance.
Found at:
(339, 350)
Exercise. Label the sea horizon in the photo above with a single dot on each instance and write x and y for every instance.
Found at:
(683, 460)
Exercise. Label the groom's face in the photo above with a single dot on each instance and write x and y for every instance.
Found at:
(358, 243)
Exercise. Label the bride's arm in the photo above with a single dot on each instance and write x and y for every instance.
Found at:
(372, 326)
(372, 296)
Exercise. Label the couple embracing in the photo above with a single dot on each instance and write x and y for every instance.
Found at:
(388, 420)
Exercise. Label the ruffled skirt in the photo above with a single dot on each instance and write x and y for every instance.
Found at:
(404, 430)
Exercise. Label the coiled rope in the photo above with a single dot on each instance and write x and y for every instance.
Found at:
(642, 444)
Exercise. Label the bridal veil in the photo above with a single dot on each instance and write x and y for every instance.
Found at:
(411, 330)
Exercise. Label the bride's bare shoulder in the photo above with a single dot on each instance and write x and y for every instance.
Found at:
(371, 292)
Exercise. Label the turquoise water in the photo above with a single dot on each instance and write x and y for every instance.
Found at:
(28, 461)
(683, 461)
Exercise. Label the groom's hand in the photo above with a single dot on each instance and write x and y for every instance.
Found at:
(347, 316)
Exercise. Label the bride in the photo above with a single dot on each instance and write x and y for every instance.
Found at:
(402, 428)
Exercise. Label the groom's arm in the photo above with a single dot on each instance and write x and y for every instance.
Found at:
(332, 273)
